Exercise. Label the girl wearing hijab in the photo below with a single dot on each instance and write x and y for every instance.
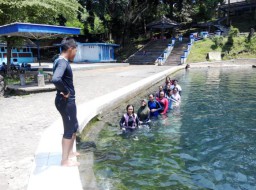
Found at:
(144, 112)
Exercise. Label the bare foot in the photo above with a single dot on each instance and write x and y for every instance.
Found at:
(73, 154)
(69, 163)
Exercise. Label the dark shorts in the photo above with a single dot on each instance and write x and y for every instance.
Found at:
(67, 109)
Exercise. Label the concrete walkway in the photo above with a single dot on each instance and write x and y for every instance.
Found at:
(24, 118)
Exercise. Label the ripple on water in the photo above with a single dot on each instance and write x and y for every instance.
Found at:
(208, 144)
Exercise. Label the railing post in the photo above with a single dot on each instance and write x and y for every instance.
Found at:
(182, 59)
(173, 41)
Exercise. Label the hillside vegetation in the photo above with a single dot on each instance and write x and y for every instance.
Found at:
(232, 47)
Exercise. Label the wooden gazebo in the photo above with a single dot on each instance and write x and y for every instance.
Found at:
(162, 24)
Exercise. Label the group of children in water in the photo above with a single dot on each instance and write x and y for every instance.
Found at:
(166, 98)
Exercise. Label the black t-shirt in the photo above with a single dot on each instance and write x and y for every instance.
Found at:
(63, 77)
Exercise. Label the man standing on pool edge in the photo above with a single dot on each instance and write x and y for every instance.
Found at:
(65, 99)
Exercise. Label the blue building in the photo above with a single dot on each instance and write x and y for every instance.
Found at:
(23, 54)
(95, 52)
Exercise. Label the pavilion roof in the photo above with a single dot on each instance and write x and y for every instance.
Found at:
(163, 23)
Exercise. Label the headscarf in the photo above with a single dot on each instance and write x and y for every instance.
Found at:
(143, 111)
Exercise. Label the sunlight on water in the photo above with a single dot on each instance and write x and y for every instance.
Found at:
(209, 143)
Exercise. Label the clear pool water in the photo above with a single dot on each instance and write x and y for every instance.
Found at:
(210, 143)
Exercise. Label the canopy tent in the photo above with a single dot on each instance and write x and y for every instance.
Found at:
(162, 24)
(36, 31)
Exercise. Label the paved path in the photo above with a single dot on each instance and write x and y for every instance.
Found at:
(24, 118)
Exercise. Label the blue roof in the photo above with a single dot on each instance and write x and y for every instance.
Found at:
(36, 31)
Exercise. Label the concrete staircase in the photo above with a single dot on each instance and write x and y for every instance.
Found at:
(178, 50)
(221, 27)
(148, 54)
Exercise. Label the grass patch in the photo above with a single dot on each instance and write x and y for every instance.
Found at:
(200, 49)
(238, 47)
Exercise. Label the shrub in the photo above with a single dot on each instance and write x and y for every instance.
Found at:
(251, 34)
(251, 46)
(233, 32)
(218, 41)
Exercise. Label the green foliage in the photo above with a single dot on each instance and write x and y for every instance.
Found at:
(233, 32)
(240, 48)
(218, 40)
(239, 44)
(38, 11)
(251, 34)
(98, 27)
(75, 23)
(119, 20)
(186, 13)
(251, 45)
(205, 10)
(200, 50)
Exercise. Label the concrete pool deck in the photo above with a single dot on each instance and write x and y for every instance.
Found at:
(35, 112)
(34, 88)
(83, 66)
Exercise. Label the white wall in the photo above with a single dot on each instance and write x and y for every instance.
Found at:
(87, 53)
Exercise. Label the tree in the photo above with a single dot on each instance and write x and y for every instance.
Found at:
(206, 9)
(98, 27)
(120, 18)
(37, 11)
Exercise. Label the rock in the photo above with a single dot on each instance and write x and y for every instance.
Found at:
(253, 66)
(214, 56)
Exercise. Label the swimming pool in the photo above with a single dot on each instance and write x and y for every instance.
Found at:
(208, 144)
